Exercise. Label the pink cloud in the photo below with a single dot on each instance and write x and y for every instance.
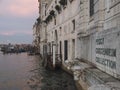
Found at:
(7, 33)
(21, 7)
(11, 33)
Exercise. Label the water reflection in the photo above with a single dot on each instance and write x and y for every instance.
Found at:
(22, 72)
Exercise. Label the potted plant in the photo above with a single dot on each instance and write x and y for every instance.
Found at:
(58, 8)
(52, 13)
(63, 2)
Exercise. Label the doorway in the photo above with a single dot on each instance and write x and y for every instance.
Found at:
(65, 50)
(73, 48)
(60, 50)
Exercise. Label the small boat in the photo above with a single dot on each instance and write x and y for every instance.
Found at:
(31, 53)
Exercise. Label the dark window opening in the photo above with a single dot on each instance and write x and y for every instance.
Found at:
(45, 12)
(60, 49)
(60, 30)
(73, 22)
(91, 7)
(55, 2)
(55, 21)
(65, 50)
(71, 1)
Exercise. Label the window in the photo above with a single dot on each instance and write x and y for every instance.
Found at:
(55, 2)
(45, 8)
(55, 21)
(71, 1)
(45, 12)
(108, 5)
(73, 22)
(60, 30)
(65, 50)
(91, 7)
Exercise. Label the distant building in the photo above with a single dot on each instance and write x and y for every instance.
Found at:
(86, 34)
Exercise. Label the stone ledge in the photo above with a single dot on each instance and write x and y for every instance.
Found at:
(91, 77)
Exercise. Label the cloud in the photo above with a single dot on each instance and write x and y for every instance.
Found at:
(22, 8)
(16, 20)
(7, 34)
(15, 32)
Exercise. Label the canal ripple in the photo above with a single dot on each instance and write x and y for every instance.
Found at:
(23, 72)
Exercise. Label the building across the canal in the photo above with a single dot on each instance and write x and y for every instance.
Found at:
(86, 35)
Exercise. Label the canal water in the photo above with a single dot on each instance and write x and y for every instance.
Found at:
(23, 72)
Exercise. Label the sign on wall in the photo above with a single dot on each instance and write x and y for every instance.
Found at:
(107, 48)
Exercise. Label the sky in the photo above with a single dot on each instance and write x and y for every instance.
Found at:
(16, 20)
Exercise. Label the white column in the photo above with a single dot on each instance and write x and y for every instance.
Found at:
(76, 48)
(54, 55)
(70, 50)
(108, 5)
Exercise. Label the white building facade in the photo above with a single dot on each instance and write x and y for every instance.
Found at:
(86, 35)
(98, 42)
(60, 29)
